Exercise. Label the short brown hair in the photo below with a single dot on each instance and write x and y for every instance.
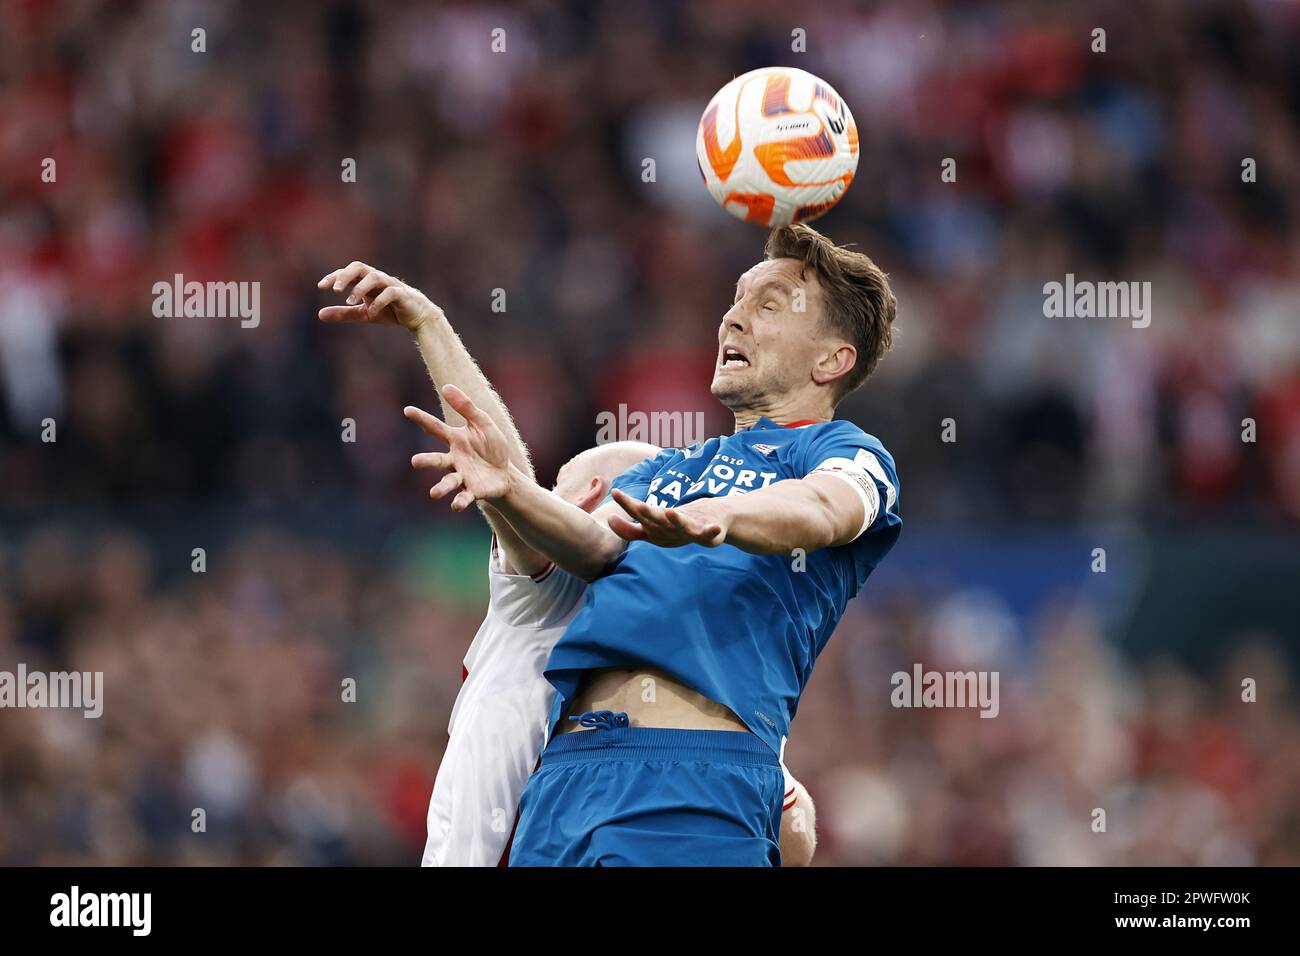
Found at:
(859, 303)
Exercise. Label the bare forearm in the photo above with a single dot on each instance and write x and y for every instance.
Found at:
(564, 533)
(777, 519)
(377, 298)
(448, 361)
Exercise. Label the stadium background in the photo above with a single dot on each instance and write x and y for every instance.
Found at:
(522, 171)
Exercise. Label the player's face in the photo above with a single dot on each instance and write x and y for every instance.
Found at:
(768, 342)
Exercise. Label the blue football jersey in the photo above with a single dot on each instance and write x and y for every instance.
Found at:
(742, 629)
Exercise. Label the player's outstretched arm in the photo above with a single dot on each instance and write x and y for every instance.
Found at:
(798, 828)
(478, 468)
(380, 299)
(818, 511)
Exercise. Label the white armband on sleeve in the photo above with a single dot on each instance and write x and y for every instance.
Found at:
(853, 471)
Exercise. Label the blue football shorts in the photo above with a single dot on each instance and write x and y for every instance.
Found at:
(647, 796)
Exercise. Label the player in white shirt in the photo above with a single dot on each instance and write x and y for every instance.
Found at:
(499, 721)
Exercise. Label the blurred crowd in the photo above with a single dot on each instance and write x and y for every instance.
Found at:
(1090, 761)
(522, 171)
(224, 692)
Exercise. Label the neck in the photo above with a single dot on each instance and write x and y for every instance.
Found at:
(783, 413)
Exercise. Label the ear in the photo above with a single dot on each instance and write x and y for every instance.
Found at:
(593, 494)
(835, 364)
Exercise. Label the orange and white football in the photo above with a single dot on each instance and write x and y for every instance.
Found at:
(777, 145)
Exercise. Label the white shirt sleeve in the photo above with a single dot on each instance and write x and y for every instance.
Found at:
(537, 601)
(499, 721)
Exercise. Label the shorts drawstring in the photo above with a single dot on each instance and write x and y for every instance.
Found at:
(602, 719)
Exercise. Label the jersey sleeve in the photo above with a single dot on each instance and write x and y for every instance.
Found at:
(845, 451)
(636, 480)
(543, 600)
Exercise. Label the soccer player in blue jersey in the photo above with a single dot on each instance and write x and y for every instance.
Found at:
(718, 573)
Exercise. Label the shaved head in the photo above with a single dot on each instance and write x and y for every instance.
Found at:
(595, 469)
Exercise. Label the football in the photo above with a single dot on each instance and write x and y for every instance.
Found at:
(777, 145)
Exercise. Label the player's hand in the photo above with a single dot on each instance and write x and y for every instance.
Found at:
(477, 461)
(668, 527)
(376, 297)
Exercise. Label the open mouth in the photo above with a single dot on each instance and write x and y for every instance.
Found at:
(732, 357)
